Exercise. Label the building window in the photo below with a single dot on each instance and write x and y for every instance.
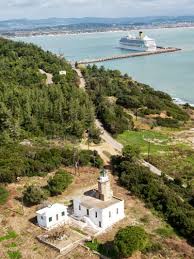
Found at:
(117, 211)
(79, 207)
(57, 217)
(63, 214)
(42, 217)
(50, 219)
(96, 214)
(88, 212)
(109, 214)
(100, 224)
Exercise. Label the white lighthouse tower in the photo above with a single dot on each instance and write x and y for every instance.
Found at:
(105, 192)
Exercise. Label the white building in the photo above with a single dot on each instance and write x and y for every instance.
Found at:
(52, 216)
(99, 208)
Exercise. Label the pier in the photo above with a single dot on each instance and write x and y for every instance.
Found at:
(159, 50)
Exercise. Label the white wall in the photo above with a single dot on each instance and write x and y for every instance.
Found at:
(109, 220)
(102, 214)
(43, 220)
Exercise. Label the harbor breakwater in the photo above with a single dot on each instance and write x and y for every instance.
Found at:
(159, 50)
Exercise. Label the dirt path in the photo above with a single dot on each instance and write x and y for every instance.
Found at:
(49, 77)
(110, 146)
(82, 84)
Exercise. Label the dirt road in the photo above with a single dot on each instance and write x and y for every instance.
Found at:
(110, 146)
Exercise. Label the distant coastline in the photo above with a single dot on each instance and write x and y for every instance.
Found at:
(176, 94)
(57, 32)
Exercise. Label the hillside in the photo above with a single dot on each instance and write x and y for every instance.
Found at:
(26, 24)
(28, 106)
(118, 99)
(46, 121)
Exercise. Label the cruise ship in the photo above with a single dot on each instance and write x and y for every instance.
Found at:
(139, 43)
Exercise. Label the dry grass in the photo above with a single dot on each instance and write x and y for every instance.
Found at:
(137, 214)
(11, 217)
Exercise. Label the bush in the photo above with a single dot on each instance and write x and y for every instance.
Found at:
(3, 195)
(106, 249)
(165, 232)
(157, 194)
(131, 152)
(167, 122)
(128, 102)
(83, 157)
(153, 248)
(14, 254)
(129, 240)
(114, 118)
(94, 135)
(59, 182)
(17, 161)
(90, 158)
(34, 195)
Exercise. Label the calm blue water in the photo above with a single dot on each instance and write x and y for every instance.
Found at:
(172, 73)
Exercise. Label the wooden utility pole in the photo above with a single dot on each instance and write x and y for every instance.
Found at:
(149, 148)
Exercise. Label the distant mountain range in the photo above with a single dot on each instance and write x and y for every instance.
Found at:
(27, 24)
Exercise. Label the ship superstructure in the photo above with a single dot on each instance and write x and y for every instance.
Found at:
(138, 43)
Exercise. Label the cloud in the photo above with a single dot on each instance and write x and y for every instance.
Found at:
(42, 3)
(75, 8)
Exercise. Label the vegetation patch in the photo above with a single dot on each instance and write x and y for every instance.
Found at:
(34, 195)
(181, 163)
(127, 241)
(165, 232)
(140, 99)
(106, 249)
(17, 161)
(10, 235)
(28, 106)
(4, 194)
(156, 192)
(155, 141)
(14, 254)
(59, 182)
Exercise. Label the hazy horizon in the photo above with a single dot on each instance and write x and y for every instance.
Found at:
(97, 17)
(44, 9)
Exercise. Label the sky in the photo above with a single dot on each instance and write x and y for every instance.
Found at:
(11, 9)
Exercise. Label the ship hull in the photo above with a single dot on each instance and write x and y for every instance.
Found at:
(133, 48)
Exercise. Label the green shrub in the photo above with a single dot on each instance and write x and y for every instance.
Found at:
(167, 122)
(94, 245)
(33, 195)
(153, 248)
(83, 157)
(130, 239)
(14, 254)
(131, 152)
(10, 235)
(94, 135)
(3, 195)
(17, 161)
(157, 194)
(165, 232)
(59, 182)
(106, 249)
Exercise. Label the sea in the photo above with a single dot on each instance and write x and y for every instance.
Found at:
(171, 72)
